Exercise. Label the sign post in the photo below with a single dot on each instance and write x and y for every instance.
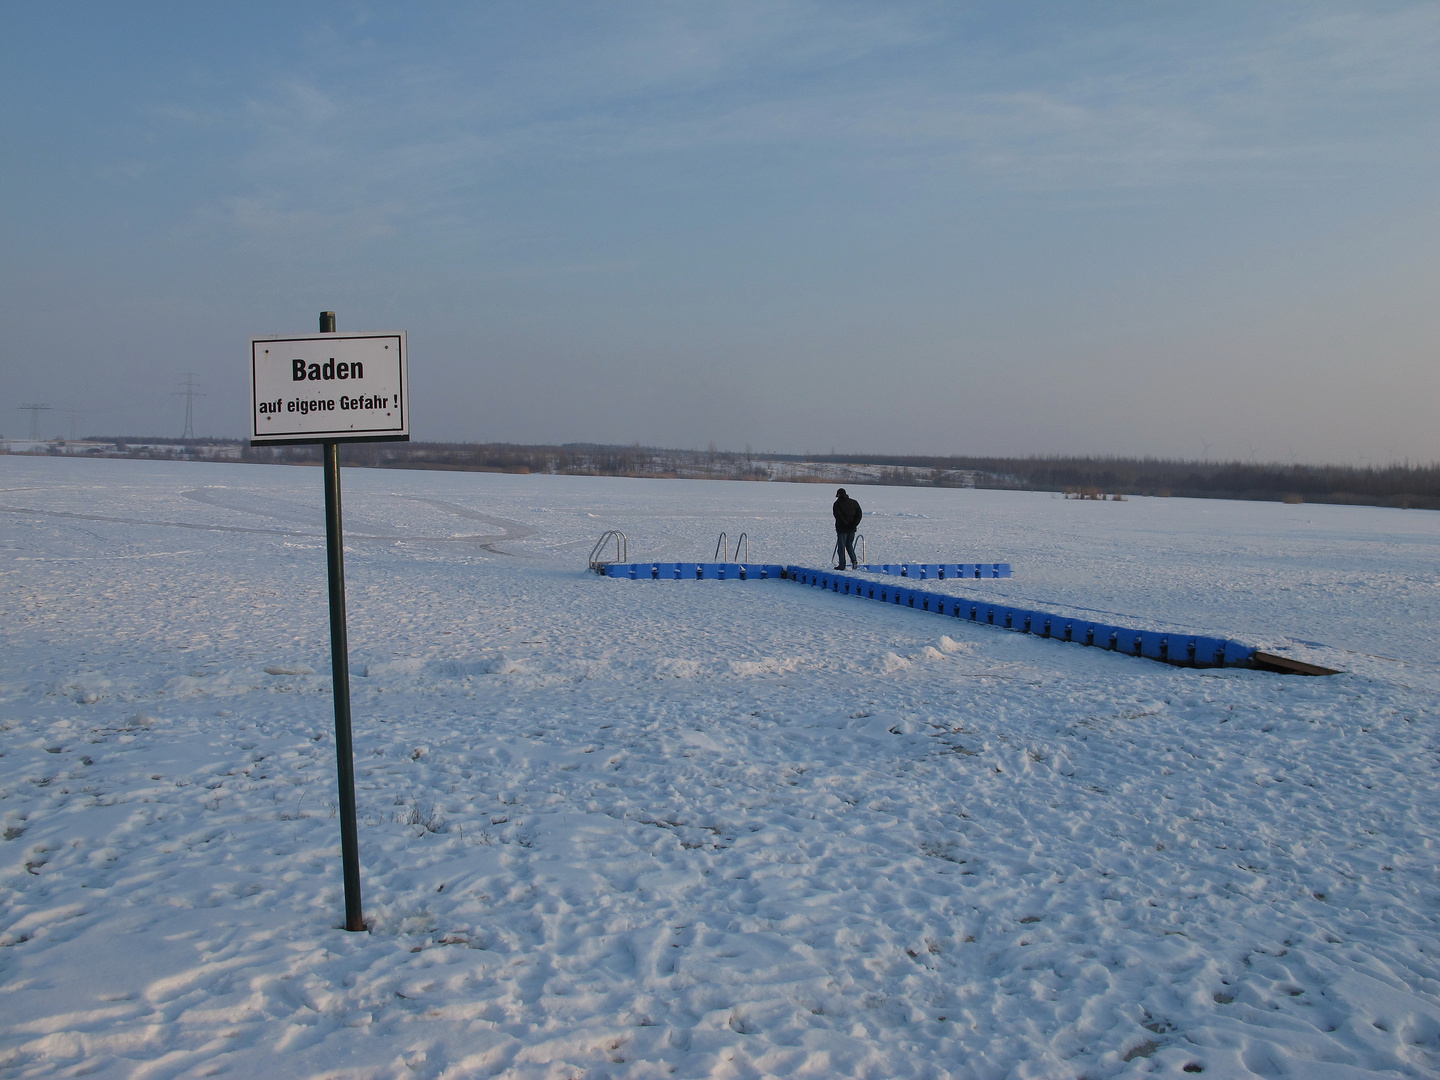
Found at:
(362, 396)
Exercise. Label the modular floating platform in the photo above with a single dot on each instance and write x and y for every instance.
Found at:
(1167, 647)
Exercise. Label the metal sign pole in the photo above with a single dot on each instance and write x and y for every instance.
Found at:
(325, 389)
(340, 673)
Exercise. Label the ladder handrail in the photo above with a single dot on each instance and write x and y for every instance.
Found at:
(743, 538)
(622, 547)
(722, 552)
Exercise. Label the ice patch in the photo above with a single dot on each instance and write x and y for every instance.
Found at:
(410, 665)
(464, 669)
(288, 669)
(443, 669)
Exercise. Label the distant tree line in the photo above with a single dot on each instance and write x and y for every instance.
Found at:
(1399, 485)
(574, 459)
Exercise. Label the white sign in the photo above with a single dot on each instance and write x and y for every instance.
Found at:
(330, 387)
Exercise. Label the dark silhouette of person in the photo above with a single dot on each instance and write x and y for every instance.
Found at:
(847, 519)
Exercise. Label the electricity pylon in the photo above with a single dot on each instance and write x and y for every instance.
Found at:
(189, 393)
(35, 411)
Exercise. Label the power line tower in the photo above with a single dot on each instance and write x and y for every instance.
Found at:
(189, 392)
(35, 411)
(71, 414)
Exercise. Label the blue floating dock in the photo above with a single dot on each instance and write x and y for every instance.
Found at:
(947, 571)
(1187, 650)
(1167, 647)
(694, 571)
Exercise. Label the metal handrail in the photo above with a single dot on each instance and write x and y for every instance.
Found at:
(743, 538)
(622, 547)
(722, 552)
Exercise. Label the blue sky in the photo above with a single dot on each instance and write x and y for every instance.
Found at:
(1132, 228)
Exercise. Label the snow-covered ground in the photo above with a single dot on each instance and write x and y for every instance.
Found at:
(703, 829)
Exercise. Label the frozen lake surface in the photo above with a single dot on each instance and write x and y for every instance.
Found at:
(704, 829)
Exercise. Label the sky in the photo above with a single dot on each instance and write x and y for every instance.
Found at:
(1173, 229)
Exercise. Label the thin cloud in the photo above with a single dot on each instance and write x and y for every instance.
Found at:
(700, 81)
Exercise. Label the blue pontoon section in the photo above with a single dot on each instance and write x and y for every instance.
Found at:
(1189, 650)
(694, 571)
(945, 571)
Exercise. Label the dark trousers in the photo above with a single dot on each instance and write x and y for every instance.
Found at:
(845, 543)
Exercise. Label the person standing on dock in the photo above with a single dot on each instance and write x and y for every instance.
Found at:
(847, 519)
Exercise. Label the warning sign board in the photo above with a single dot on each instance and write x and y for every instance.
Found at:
(330, 388)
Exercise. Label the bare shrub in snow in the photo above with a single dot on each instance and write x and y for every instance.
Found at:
(425, 815)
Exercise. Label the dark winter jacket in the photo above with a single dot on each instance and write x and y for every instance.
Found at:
(847, 514)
